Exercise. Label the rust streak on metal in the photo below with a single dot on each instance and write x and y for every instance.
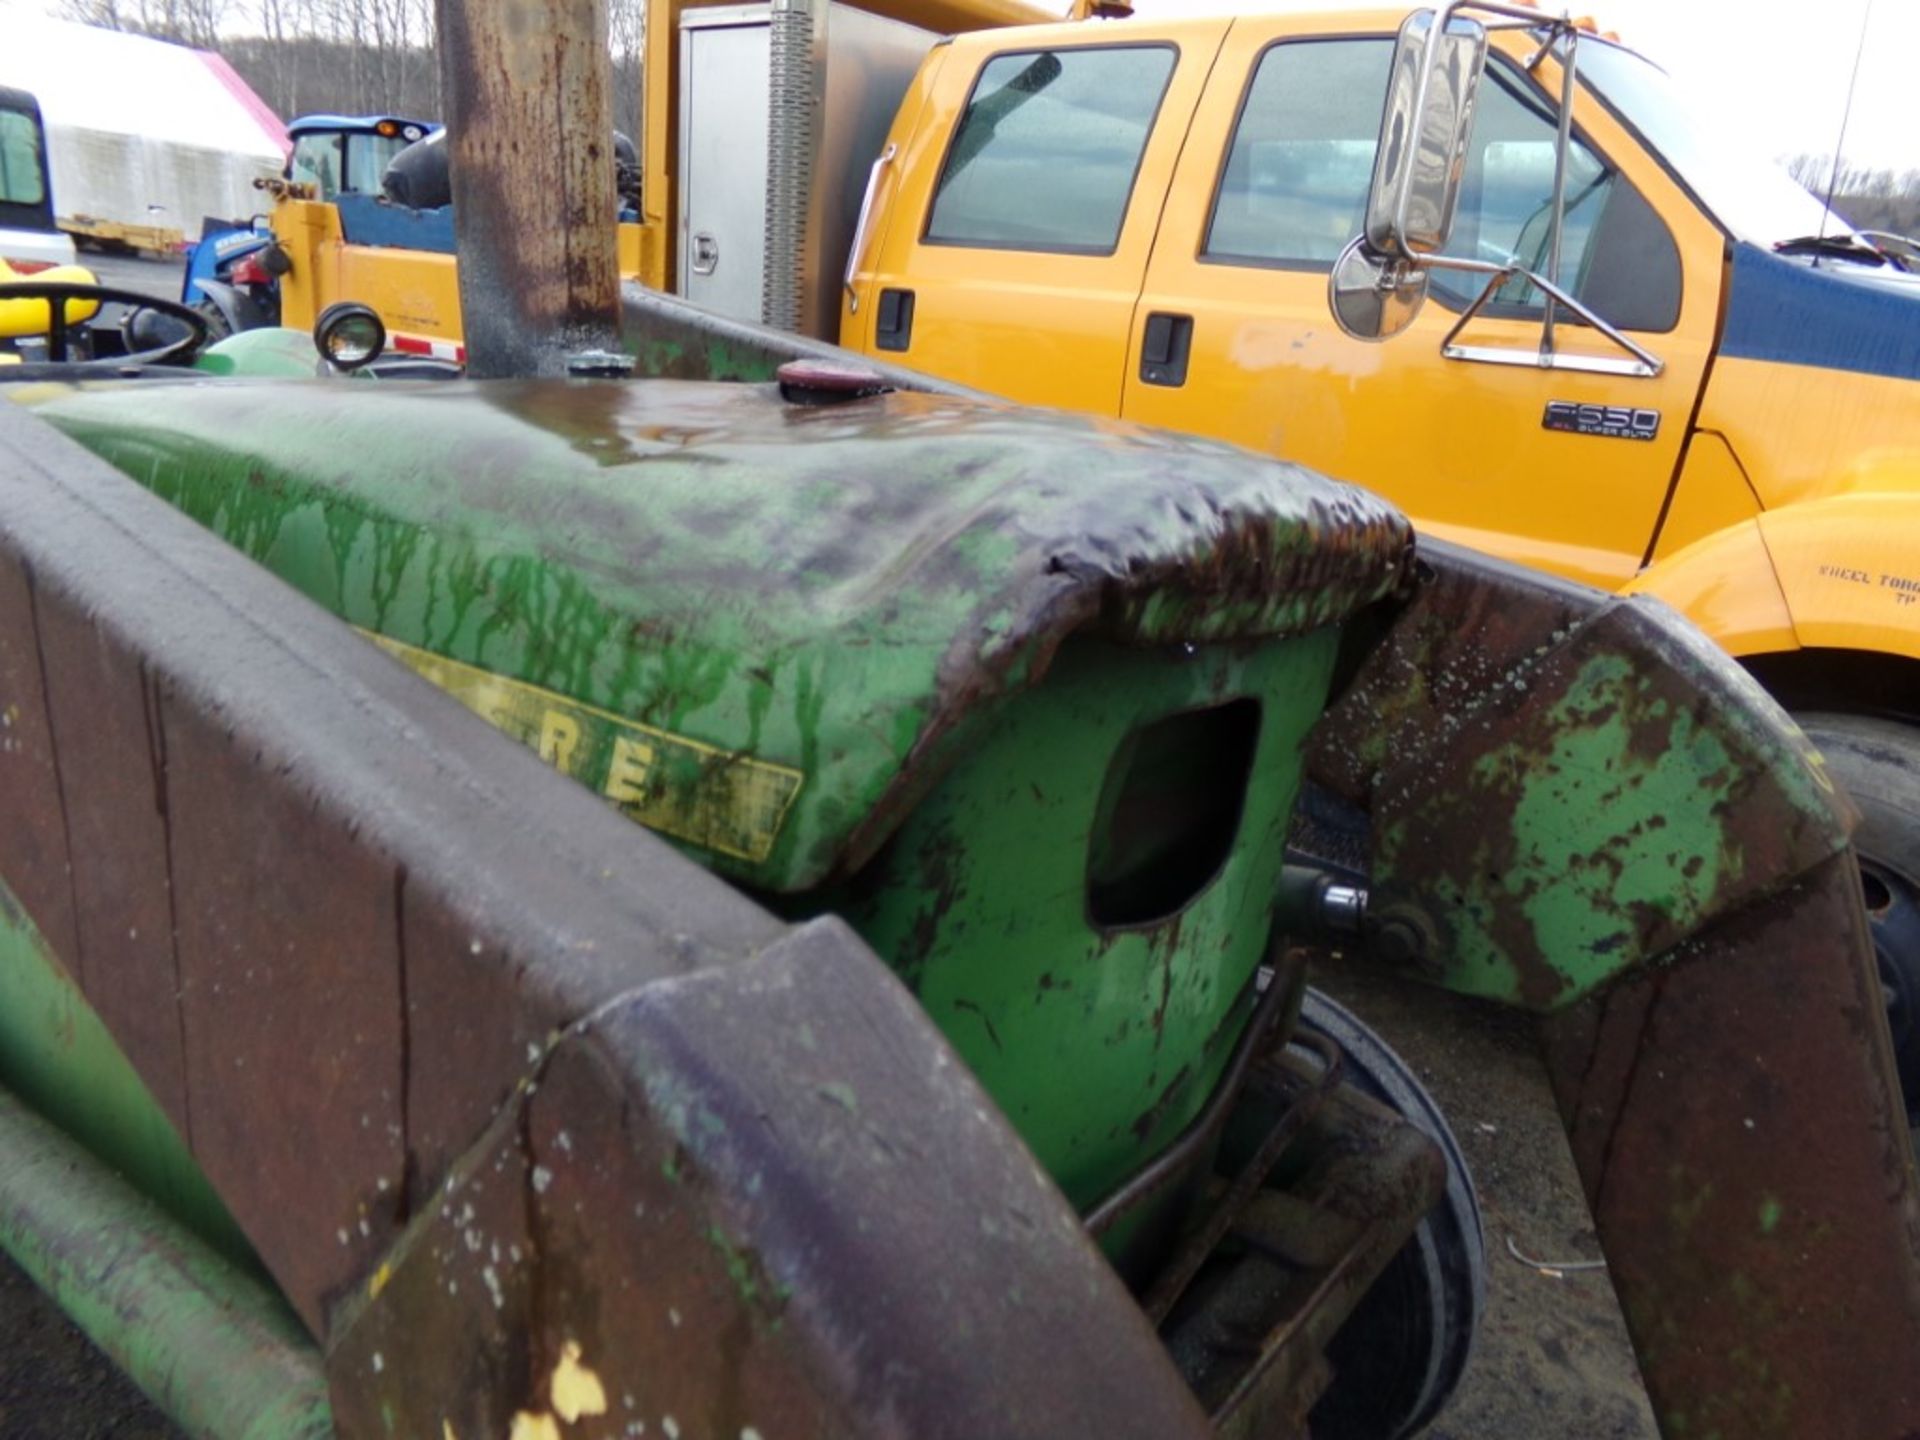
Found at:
(1747, 1161)
(1172, 1162)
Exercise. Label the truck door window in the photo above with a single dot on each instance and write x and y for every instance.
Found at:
(1615, 252)
(1294, 187)
(1045, 156)
(1296, 177)
(21, 182)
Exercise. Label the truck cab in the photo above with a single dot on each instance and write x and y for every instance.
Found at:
(336, 154)
(30, 239)
(1141, 218)
(1715, 405)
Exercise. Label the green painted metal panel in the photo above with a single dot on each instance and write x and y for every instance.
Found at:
(267, 353)
(1611, 815)
(56, 1055)
(214, 1347)
(1100, 1042)
(875, 659)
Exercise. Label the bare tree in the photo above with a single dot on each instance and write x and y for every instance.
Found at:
(188, 22)
(356, 57)
(1870, 199)
(626, 33)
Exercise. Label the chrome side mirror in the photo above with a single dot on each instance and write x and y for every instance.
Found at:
(1379, 282)
(1372, 297)
(1424, 129)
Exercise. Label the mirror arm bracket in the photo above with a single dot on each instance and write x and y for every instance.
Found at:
(1563, 147)
(1644, 362)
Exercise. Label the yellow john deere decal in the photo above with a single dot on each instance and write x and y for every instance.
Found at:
(718, 799)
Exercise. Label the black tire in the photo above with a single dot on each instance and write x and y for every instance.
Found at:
(217, 326)
(1877, 762)
(1403, 1350)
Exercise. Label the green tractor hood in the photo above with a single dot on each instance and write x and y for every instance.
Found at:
(748, 624)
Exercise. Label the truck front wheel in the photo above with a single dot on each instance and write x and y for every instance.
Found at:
(1878, 764)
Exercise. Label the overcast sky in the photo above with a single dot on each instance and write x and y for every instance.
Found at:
(1782, 69)
(1778, 69)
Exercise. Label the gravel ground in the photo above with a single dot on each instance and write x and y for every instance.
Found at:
(56, 1386)
(1552, 1357)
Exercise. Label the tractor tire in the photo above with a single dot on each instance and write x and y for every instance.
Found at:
(217, 326)
(1877, 762)
(1403, 1350)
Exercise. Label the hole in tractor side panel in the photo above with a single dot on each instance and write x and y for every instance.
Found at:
(1168, 814)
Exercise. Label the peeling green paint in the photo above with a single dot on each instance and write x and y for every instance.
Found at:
(1770, 1212)
(841, 1094)
(215, 1347)
(1592, 821)
(944, 618)
(1100, 1043)
(762, 1294)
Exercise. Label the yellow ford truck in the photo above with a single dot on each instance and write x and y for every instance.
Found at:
(1584, 332)
(1141, 219)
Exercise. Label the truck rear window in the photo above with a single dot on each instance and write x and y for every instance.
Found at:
(1045, 156)
(21, 182)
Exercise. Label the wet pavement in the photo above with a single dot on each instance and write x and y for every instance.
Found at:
(148, 275)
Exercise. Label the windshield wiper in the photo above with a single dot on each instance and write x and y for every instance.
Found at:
(1839, 247)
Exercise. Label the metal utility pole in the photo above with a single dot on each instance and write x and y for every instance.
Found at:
(527, 89)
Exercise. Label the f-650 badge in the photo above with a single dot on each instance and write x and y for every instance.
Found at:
(1613, 422)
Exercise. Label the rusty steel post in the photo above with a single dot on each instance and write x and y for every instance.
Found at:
(527, 93)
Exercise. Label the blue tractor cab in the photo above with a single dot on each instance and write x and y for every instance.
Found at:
(347, 154)
(231, 274)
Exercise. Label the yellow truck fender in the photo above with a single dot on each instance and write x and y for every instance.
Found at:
(1838, 573)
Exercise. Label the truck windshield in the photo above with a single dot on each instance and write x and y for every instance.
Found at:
(1750, 195)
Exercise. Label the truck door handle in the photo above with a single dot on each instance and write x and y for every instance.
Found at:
(1164, 349)
(706, 254)
(893, 321)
